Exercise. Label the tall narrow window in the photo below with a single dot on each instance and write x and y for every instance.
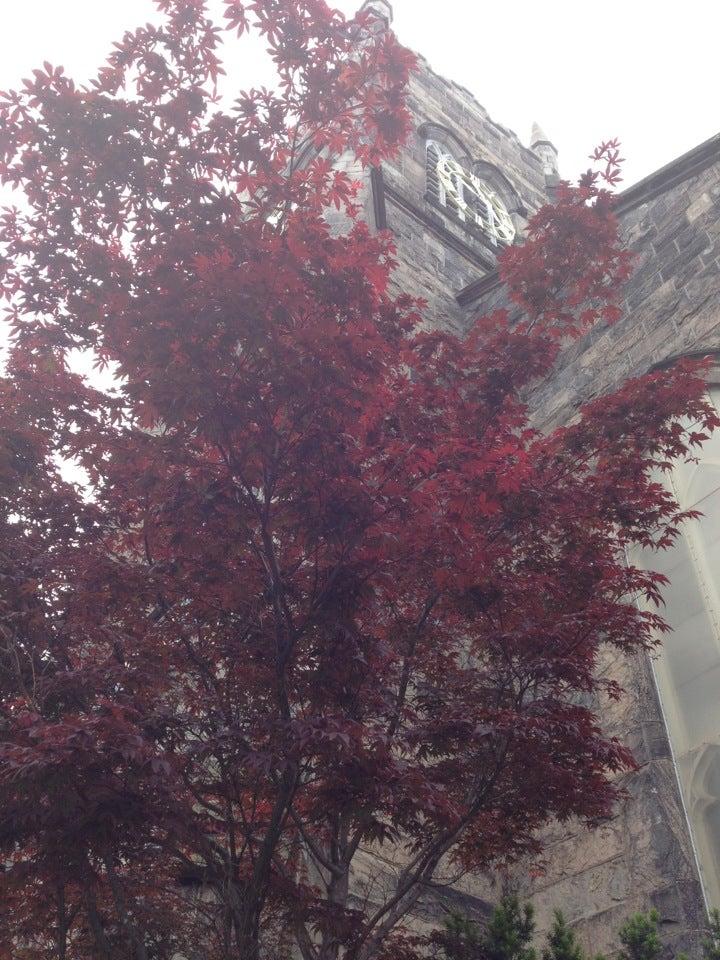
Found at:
(433, 154)
(688, 665)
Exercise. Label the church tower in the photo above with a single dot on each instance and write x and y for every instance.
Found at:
(462, 190)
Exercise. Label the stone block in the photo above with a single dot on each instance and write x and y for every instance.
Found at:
(699, 206)
(673, 263)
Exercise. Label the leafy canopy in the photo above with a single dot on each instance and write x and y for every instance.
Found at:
(329, 594)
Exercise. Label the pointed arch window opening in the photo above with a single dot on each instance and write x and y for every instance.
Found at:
(466, 196)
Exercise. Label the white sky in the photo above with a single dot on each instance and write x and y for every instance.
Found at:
(649, 74)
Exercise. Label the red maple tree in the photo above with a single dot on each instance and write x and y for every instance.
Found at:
(327, 600)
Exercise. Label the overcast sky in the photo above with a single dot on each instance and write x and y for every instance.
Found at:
(648, 74)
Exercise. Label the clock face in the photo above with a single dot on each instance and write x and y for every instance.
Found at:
(473, 201)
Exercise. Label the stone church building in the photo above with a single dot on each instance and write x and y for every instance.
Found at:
(462, 189)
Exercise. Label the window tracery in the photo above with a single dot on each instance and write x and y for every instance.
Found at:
(466, 196)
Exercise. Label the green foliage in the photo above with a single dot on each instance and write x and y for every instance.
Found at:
(562, 944)
(507, 936)
(460, 938)
(639, 936)
(510, 931)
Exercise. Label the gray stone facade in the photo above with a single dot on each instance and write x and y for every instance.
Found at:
(644, 855)
(437, 256)
(672, 304)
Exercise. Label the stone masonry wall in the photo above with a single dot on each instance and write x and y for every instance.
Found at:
(643, 856)
(672, 303)
(640, 858)
(437, 255)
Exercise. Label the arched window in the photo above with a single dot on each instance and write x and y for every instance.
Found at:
(463, 194)
(434, 188)
(687, 668)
